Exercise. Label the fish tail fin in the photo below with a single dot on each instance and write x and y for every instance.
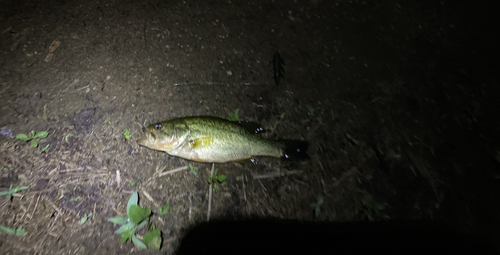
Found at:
(295, 150)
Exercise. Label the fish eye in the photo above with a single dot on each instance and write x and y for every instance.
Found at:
(158, 126)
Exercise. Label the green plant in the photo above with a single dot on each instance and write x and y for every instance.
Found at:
(84, 218)
(106, 120)
(317, 206)
(310, 111)
(33, 137)
(66, 137)
(44, 148)
(214, 179)
(234, 115)
(12, 191)
(351, 138)
(164, 210)
(137, 217)
(206, 107)
(371, 209)
(127, 134)
(282, 116)
(17, 232)
(193, 169)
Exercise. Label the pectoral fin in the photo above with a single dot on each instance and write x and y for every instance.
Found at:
(201, 142)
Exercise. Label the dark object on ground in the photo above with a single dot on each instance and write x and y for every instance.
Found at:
(293, 237)
(278, 68)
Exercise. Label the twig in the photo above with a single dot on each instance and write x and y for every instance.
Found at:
(344, 176)
(210, 194)
(272, 175)
(34, 209)
(244, 191)
(263, 188)
(174, 170)
(148, 196)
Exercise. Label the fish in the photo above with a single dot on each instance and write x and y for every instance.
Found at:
(213, 140)
(278, 68)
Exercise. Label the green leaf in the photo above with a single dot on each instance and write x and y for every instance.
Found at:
(215, 187)
(32, 134)
(8, 230)
(165, 209)
(118, 220)
(21, 232)
(206, 107)
(42, 134)
(351, 138)
(44, 148)
(221, 178)
(144, 222)
(17, 232)
(23, 137)
(192, 169)
(126, 134)
(153, 227)
(210, 180)
(310, 111)
(153, 239)
(137, 213)
(234, 115)
(132, 183)
(66, 137)
(125, 228)
(282, 116)
(34, 143)
(127, 235)
(84, 218)
(138, 242)
(134, 198)
(106, 120)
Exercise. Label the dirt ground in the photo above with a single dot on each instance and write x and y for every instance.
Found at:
(397, 101)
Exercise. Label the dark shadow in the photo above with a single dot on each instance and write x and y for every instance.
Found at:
(294, 237)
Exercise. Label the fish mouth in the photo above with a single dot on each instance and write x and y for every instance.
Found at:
(146, 138)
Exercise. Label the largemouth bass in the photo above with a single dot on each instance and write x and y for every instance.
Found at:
(208, 139)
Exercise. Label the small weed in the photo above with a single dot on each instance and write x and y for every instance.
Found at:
(214, 179)
(7, 168)
(127, 134)
(33, 137)
(234, 115)
(371, 209)
(44, 148)
(106, 120)
(17, 232)
(282, 116)
(12, 191)
(317, 206)
(206, 107)
(84, 218)
(164, 210)
(193, 169)
(137, 217)
(351, 138)
(66, 137)
(75, 198)
(132, 183)
(310, 111)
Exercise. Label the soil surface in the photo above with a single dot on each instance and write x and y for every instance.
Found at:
(398, 102)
